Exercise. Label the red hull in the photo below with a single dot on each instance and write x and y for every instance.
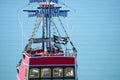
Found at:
(52, 61)
(42, 61)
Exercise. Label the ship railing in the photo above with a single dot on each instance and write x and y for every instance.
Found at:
(69, 52)
(40, 52)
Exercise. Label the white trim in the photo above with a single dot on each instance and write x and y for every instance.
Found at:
(25, 63)
(18, 77)
(26, 54)
(45, 56)
(51, 56)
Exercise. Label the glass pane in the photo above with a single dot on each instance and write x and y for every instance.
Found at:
(58, 72)
(45, 72)
(34, 73)
(69, 72)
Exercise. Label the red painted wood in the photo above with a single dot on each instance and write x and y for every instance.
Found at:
(21, 73)
(25, 59)
(52, 60)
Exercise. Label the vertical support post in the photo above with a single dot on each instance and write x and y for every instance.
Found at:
(27, 75)
(49, 7)
(43, 30)
(47, 45)
(50, 28)
(76, 65)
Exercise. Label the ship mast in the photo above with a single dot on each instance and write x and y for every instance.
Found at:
(45, 12)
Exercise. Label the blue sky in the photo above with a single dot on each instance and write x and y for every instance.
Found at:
(93, 26)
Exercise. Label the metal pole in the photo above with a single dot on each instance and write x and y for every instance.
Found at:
(49, 24)
(43, 30)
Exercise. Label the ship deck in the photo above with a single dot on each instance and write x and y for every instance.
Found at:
(40, 53)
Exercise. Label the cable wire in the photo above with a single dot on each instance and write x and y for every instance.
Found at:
(74, 49)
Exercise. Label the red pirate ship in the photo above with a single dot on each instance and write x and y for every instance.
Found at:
(50, 60)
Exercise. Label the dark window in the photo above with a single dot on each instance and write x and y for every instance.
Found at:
(69, 72)
(34, 73)
(45, 72)
(57, 72)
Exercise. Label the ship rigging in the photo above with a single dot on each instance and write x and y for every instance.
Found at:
(50, 60)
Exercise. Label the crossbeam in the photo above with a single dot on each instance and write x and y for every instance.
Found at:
(38, 1)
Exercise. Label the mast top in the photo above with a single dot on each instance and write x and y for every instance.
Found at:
(38, 1)
(47, 8)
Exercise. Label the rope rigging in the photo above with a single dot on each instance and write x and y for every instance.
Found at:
(51, 42)
(21, 25)
(56, 27)
(38, 22)
(35, 29)
(52, 21)
(74, 10)
(74, 49)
